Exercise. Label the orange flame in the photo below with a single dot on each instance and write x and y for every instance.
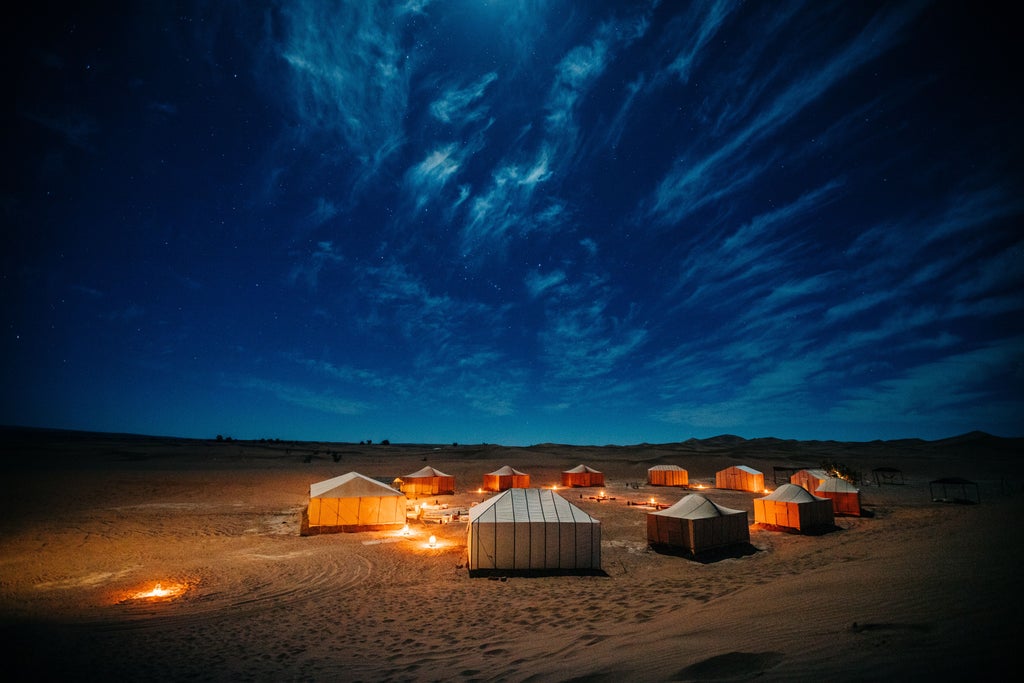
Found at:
(159, 591)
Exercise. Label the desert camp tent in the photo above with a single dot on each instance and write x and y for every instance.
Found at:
(668, 475)
(427, 482)
(845, 496)
(809, 479)
(506, 478)
(581, 475)
(353, 502)
(794, 507)
(740, 478)
(532, 529)
(696, 524)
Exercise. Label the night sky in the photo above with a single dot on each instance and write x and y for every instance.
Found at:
(514, 222)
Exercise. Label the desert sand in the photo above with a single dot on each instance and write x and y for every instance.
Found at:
(913, 590)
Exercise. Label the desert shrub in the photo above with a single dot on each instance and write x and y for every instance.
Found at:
(841, 470)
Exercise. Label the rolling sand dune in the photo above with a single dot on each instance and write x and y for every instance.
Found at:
(914, 590)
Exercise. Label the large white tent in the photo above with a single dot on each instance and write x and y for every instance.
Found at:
(696, 524)
(810, 479)
(532, 529)
(795, 507)
(506, 478)
(428, 481)
(354, 502)
(740, 478)
(845, 496)
(667, 475)
(581, 475)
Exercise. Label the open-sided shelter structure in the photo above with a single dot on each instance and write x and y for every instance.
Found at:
(740, 478)
(695, 524)
(954, 490)
(810, 479)
(794, 507)
(353, 502)
(506, 478)
(427, 482)
(845, 496)
(532, 529)
(668, 475)
(581, 475)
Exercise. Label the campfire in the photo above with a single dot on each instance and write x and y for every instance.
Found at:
(161, 591)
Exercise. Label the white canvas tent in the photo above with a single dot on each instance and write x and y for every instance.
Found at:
(740, 478)
(668, 475)
(696, 524)
(353, 502)
(427, 482)
(506, 478)
(845, 496)
(532, 529)
(810, 479)
(581, 475)
(793, 506)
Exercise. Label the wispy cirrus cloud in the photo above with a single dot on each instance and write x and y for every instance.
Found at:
(696, 177)
(308, 269)
(325, 402)
(350, 73)
(459, 106)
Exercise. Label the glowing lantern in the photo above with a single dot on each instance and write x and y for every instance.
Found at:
(432, 542)
(405, 530)
(601, 494)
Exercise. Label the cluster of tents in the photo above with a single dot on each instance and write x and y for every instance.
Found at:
(525, 528)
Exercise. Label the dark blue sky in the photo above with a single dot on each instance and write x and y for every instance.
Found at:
(514, 222)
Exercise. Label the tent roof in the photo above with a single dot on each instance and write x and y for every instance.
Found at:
(818, 473)
(836, 485)
(744, 468)
(506, 471)
(530, 505)
(664, 467)
(351, 485)
(427, 471)
(792, 493)
(580, 469)
(696, 506)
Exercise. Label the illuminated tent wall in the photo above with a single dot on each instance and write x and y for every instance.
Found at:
(353, 502)
(696, 524)
(740, 478)
(506, 478)
(809, 479)
(845, 496)
(668, 475)
(794, 507)
(427, 482)
(530, 529)
(581, 475)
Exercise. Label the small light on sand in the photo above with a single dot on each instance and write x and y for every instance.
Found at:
(767, 490)
(601, 494)
(554, 487)
(652, 501)
(159, 591)
(432, 542)
(405, 530)
(479, 490)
